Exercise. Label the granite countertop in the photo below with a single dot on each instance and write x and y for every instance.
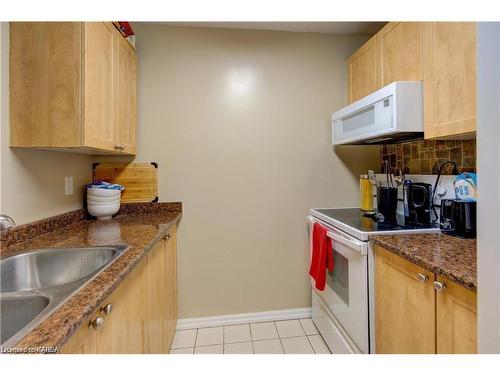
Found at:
(452, 257)
(138, 226)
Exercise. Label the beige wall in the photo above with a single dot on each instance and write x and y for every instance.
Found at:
(239, 122)
(32, 182)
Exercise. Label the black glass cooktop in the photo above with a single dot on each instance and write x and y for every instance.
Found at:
(359, 220)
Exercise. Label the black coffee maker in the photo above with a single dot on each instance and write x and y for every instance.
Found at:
(458, 218)
(417, 202)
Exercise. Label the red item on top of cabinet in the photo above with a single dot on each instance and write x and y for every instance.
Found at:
(124, 28)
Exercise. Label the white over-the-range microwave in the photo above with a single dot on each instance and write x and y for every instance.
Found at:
(392, 114)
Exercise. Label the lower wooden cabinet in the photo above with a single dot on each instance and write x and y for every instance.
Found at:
(456, 313)
(162, 294)
(84, 340)
(140, 315)
(412, 317)
(405, 313)
(171, 287)
(123, 328)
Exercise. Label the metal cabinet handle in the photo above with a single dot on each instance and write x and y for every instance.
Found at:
(439, 286)
(168, 235)
(422, 278)
(97, 323)
(107, 309)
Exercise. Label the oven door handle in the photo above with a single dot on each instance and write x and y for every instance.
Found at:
(360, 247)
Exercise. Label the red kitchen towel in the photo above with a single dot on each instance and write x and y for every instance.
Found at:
(322, 256)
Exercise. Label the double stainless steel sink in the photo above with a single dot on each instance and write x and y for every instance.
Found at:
(35, 283)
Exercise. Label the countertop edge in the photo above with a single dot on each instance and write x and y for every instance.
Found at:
(108, 291)
(421, 262)
(40, 337)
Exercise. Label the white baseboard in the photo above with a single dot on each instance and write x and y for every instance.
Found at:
(263, 316)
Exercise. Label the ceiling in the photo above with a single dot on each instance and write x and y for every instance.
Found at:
(351, 28)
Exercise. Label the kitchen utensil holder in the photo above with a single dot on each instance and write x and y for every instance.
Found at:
(387, 201)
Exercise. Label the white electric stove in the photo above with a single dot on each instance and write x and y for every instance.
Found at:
(344, 311)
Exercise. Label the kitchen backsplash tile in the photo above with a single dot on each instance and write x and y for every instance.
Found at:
(426, 156)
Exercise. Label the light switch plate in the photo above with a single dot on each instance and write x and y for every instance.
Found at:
(68, 185)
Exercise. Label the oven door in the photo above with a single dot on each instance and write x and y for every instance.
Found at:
(346, 290)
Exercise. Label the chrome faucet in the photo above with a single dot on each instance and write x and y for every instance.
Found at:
(6, 222)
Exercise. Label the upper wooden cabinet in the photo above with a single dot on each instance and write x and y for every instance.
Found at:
(45, 84)
(449, 79)
(362, 71)
(411, 316)
(442, 55)
(125, 95)
(72, 87)
(99, 78)
(399, 49)
(393, 54)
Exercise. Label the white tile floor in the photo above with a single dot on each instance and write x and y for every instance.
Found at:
(280, 337)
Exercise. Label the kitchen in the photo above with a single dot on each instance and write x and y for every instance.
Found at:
(216, 235)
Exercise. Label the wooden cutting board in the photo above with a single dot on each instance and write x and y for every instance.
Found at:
(140, 179)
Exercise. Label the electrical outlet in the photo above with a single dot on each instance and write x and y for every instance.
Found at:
(68, 185)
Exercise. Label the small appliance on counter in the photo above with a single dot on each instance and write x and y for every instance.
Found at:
(417, 198)
(458, 216)
(387, 201)
(387, 193)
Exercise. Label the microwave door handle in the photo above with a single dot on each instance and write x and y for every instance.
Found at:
(361, 247)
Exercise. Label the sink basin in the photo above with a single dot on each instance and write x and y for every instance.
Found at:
(34, 284)
(17, 312)
(52, 267)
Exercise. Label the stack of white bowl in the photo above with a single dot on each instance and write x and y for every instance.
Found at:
(103, 203)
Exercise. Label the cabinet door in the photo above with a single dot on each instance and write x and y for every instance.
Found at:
(99, 70)
(125, 95)
(449, 76)
(404, 306)
(45, 84)
(456, 319)
(156, 324)
(123, 330)
(162, 295)
(171, 262)
(399, 48)
(362, 71)
(83, 341)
